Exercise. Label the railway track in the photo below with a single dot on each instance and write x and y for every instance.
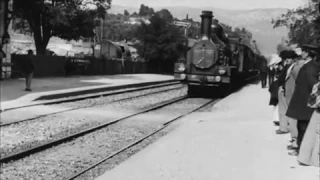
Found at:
(162, 127)
(93, 95)
(100, 95)
(61, 155)
(50, 144)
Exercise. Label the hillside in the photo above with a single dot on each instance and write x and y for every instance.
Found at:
(258, 21)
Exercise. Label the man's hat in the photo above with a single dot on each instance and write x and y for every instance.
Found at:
(288, 54)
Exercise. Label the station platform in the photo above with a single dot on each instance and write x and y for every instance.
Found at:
(235, 141)
(12, 90)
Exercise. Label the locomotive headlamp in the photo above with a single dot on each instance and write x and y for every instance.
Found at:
(181, 67)
(210, 78)
(218, 78)
(183, 76)
(222, 71)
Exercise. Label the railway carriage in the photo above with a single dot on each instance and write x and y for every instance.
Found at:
(217, 61)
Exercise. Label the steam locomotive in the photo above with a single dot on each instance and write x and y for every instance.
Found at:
(217, 60)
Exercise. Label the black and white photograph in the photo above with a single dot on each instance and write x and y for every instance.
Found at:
(159, 90)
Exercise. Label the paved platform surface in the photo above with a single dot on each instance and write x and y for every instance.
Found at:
(13, 89)
(235, 141)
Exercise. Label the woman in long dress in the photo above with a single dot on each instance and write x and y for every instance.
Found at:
(310, 146)
(273, 89)
(274, 99)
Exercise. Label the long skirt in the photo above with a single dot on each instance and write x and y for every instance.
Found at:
(283, 119)
(310, 146)
(276, 113)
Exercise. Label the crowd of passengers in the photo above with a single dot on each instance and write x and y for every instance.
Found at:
(294, 85)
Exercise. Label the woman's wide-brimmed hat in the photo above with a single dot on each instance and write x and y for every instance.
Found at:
(288, 54)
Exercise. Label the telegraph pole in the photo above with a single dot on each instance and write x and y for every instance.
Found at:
(4, 35)
(3, 17)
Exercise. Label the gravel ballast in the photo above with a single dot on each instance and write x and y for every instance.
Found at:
(101, 101)
(66, 159)
(61, 161)
(25, 135)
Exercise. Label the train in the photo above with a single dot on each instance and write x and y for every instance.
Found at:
(217, 60)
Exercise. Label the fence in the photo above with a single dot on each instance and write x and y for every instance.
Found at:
(46, 66)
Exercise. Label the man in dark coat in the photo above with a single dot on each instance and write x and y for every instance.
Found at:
(28, 69)
(288, 58)
(271, 74)
(307, 77)
(263, 73)
(283, 74)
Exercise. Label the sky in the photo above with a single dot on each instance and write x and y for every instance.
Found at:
(223, 4)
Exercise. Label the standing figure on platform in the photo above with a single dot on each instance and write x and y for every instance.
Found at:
(310, 146)
(288, 58)
(28, 69)
(271, 74)
(273, 90)
(289, 90)
(298, 108)
(263, 73)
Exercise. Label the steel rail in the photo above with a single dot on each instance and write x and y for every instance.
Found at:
(77, 108)
(47, 145)
(92, 95)
(163, 126)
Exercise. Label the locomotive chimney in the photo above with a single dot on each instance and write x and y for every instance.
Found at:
(206, 22)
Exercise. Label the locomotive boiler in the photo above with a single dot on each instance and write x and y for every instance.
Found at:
(216, 61)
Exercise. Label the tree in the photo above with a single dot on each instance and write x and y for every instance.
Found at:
(165, 14)
(238, 32)
(301, 22)
(145, 10)
(115, 28)
(226, 28)
(70, 20)
(126, 13)
(21, 25)
(162, 43)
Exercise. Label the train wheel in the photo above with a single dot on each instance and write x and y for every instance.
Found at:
(226, 89)
(192, 90)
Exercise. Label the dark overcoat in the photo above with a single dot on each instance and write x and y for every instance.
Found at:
(307, 77)
(28, 65)
(271, 71)
(264, 67)
(273, 89)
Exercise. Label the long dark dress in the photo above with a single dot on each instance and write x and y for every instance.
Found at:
(273, 89)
